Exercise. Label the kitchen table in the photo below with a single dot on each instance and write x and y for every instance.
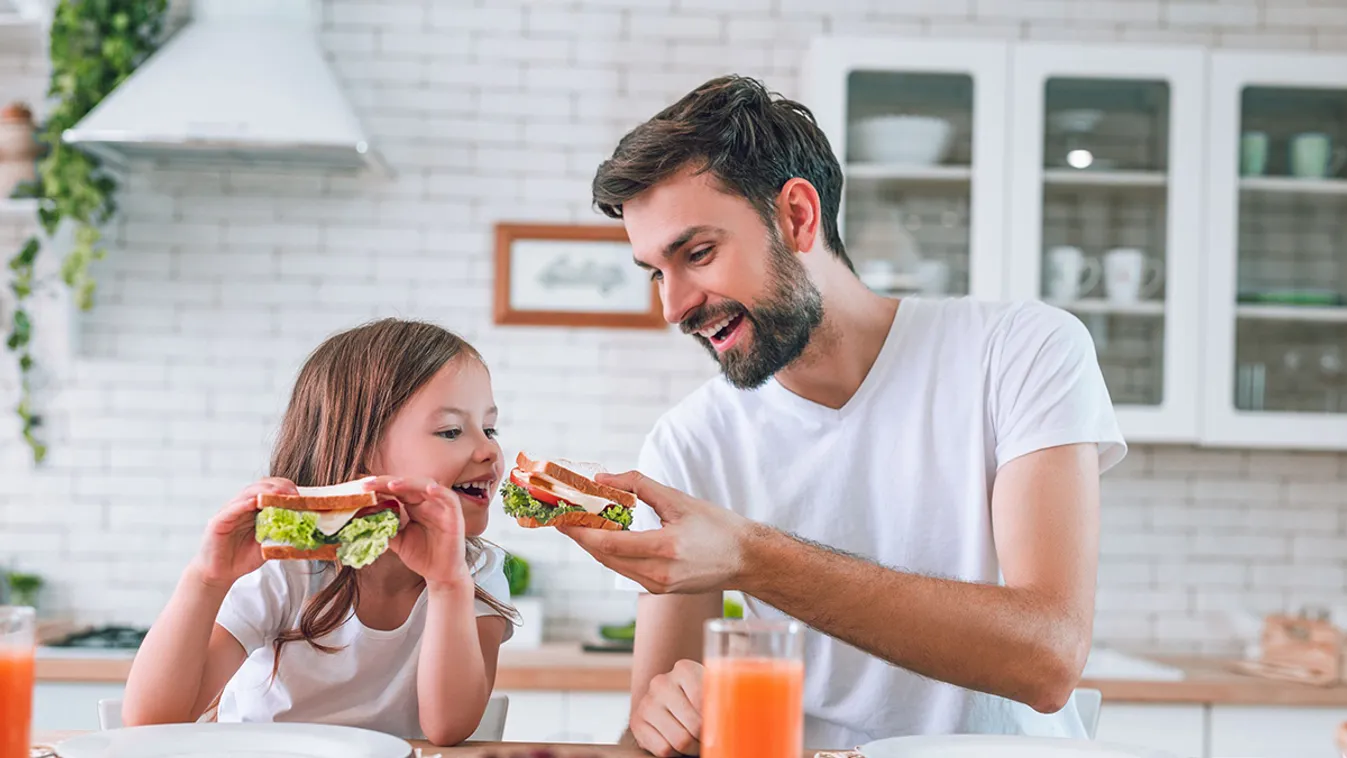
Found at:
(473, 750)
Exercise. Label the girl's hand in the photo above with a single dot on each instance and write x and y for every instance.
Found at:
(229, 548)
(432, 541)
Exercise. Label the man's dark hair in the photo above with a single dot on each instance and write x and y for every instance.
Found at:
(752, 140)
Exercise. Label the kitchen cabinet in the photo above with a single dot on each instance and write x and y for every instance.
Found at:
(919, 130)
(1106, 215)
(565, 716)
(71, 705)
(1189, 205)
(1269, 732)
(1276, 300)
(1179, 729)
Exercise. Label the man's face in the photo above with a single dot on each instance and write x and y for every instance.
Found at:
(724, 277)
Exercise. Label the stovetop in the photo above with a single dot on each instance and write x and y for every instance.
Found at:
(105, 637)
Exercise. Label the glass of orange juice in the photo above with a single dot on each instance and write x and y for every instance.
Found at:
(16, 679)
(753, 689)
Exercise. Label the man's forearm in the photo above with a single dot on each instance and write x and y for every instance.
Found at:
(1007, 641)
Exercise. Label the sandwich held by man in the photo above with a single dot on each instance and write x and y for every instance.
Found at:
(917, 481)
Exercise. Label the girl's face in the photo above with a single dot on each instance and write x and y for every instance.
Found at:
(446, 432)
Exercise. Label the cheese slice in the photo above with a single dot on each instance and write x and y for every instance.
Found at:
(331, 522)
(591, 503)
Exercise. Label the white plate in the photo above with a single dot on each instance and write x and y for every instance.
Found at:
(998, 746)
(209, 740)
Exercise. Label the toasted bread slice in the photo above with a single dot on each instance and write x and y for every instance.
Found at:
(288, 553)
(576, 481)
(572, 518)
(318, 502)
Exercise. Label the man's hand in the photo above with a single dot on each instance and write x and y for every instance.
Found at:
(668, 719)
(700, 548)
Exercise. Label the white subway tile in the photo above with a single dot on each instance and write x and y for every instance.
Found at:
(375, 14)
(1266, 39)
(1309, 493)
(1120, 544)
(1074, 31)
(1141, 600)
(1124, 625)
(1316, 16)
(1308, 546)
(130, 458)
(1211, 544)
(1211, 14)
(1237, 490)
(1016, 9)
(1285, 519)
(497, 19)
(1171, 627)
(1306, 575)
(1179, 571)
(549, 22)
(1168, 460)
(1129, 574)
(1234, 603)
(1332, 40)
(683, 25)
(347, 41)
(1165, 517)
(555, 51)
(1297, 465)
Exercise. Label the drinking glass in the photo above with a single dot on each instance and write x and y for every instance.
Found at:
(753, 689)
(16, 679)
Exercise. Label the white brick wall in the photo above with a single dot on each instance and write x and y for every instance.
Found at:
(220, 283)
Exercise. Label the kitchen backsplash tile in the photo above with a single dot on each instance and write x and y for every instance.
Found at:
(219, 282)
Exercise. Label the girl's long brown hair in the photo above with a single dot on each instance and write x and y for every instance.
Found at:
(344, 399)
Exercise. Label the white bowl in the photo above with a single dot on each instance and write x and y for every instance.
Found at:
(911, 140)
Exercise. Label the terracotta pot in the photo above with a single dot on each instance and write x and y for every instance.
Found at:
(19, 148)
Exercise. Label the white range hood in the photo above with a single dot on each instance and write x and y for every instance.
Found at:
(244, 83)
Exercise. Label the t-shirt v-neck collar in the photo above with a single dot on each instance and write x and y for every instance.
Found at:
(775, 393)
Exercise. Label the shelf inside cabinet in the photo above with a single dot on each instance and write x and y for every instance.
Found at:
(1293, 185)
(899, 172)
(1101, 305)
(1067, 177)
(1328, 314)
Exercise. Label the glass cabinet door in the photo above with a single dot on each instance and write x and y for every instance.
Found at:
(917, 129)
(1278, 307)
(1105, 216)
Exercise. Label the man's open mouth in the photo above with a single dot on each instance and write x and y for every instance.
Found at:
(723, 332)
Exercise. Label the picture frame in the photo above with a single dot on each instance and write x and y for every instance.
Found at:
(576, 275)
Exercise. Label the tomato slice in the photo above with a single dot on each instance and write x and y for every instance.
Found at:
(537, 493)
(370, 510)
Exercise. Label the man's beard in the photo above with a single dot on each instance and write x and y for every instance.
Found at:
(783, 323)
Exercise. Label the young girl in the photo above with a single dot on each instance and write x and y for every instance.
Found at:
(406, 645)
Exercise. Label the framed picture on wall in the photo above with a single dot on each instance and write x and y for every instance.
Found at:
(571, 275)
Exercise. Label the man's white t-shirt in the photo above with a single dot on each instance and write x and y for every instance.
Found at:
(901, 475)
(370, 682)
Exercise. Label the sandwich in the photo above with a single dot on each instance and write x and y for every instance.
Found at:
(340, 522)
(545, 493)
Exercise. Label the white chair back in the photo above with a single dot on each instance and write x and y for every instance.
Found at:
(1088, 704)
(109, 714)
(490, 729)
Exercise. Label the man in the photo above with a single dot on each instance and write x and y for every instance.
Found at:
(917, 481)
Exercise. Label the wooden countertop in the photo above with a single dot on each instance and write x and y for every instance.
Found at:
(470, 750)
(567, 667)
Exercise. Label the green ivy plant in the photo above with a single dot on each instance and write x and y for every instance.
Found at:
(95, 46)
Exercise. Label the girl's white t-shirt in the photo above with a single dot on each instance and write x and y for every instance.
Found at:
(369, 682)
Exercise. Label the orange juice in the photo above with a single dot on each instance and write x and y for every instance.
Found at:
(753, 708)
(16, 700)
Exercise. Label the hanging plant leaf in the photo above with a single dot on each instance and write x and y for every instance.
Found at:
(94, 46)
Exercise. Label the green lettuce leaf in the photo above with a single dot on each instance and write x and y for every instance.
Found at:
(296, 528)
(519, 504)
(366, 538)
(619, 514)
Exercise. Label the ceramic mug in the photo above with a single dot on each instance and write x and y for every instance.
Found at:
(1313, 156)
(1070, 273)
(1129, 276)
(1253, 153)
